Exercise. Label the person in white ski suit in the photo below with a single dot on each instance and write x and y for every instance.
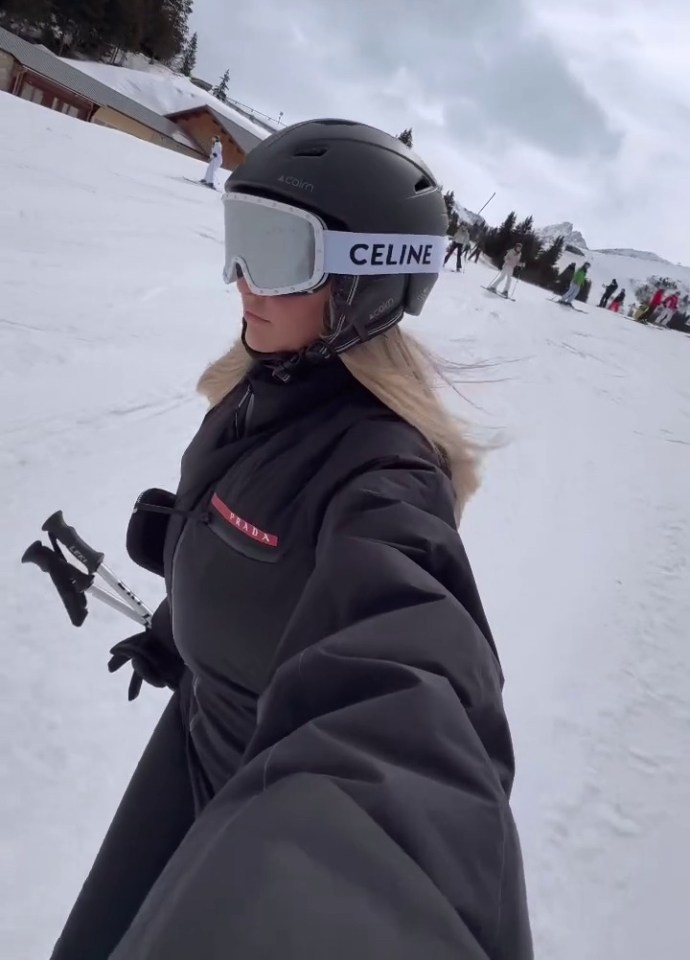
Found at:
(512, 261)
(215, 163)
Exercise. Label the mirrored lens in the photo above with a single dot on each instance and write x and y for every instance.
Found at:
(276, 247)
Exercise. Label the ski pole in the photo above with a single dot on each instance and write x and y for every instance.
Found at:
(73, 584)
(55, 526)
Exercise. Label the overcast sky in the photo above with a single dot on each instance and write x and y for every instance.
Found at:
(568, 110)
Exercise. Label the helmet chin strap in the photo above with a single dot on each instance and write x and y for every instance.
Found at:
(283, 364)
(345, 326)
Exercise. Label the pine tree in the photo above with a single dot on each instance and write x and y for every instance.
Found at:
(546, 267)
(406, 137)
(498, 241)
(531, 244)
(220, 91)
(126, 25)
(165, 32)
(525, 227)
(34, 12)
(82, 24)
(189, 56)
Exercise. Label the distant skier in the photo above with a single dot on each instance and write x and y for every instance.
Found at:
(608, 293)
(512, 261)
(461, 237)
(578, 282)
(566, 278)
(618, 302)
(478, 250)
(215, 163)
(669, 307)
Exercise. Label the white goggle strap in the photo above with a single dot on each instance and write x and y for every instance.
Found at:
(371, 254)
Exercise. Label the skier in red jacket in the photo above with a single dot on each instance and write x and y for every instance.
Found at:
(653, 305)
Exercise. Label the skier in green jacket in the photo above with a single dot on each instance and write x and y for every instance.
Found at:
(577, 283)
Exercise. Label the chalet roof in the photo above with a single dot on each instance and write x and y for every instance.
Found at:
(41, 61)
(243, 138)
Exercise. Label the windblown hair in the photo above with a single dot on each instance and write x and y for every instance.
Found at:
(403, 375)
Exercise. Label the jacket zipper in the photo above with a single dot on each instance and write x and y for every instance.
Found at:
(243, 412)
(241, 419)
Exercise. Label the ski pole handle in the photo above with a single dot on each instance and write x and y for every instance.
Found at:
(55, 526)
(68, 581)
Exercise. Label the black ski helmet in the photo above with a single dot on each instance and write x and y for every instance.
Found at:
(360, 179)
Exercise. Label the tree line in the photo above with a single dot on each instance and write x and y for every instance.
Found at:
(97, 28)
(541, 262)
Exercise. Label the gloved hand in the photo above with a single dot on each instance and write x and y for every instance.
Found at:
(152, 654)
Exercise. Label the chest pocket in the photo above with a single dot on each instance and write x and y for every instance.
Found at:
(242, 533)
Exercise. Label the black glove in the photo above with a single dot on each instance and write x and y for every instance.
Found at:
(152, 654)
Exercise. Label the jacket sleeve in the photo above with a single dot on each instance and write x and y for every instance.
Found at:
(371, 816)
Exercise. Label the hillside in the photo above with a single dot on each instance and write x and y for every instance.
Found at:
(637, 255)
(110, 267)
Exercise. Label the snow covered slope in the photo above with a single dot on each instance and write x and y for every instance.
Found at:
(636, 255)
(111, 305)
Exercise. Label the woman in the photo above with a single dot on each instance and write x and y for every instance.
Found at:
(331, 776)
(512, 261)
(461, 238)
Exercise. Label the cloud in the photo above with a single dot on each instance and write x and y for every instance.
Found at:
(562, 109)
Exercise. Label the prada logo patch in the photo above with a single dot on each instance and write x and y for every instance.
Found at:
(244, 526)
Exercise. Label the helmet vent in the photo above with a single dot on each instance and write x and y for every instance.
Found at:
(424, 183)
(310, 152)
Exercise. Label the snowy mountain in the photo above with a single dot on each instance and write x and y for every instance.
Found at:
(547, 235)
(466, 216)
(112, 303)
(636, 255)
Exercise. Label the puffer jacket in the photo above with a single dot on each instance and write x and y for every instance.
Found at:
(512, 260)
(343, 722)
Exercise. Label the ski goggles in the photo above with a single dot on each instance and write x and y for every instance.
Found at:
(280, 249)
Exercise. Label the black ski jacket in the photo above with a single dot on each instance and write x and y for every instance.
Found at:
(350, 758)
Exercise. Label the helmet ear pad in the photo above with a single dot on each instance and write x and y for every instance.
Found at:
(360, 307)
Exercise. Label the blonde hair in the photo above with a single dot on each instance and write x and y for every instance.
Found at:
(403, 375)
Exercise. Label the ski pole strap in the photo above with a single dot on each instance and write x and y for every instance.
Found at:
(69, 582)
(58, 530)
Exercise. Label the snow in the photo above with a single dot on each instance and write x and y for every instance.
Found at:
(163, 91)
(637, 255)
(112, 304)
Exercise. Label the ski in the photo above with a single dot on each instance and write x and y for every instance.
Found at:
(568, 305)
(503, 296)
(201, 183)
